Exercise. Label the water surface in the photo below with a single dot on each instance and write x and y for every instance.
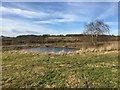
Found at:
(51, 49)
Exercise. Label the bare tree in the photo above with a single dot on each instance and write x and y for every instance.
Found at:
(96, 28)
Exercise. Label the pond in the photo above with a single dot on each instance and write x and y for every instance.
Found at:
(51, 49)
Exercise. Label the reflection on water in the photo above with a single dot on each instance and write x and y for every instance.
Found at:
(51, 49)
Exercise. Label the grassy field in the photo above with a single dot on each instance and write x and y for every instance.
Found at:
(75, 70)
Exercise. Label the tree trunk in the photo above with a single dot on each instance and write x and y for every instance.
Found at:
(93, 43)
(96, 39)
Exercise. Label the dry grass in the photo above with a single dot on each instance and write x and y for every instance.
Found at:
(106, 47)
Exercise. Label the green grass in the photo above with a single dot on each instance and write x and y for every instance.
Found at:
(85, 70)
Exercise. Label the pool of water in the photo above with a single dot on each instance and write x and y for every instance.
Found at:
(51, 49)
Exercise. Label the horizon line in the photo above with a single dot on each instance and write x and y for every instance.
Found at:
(55, 35)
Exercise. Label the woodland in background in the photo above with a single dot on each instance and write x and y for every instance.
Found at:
(43, 39)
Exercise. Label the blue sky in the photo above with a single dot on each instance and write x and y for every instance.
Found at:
(20, 18)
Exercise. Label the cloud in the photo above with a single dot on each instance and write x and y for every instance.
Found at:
(54, 21)
(64, 18)
(111, 11)
(10, 28)
(25, 13)
(46, 17)
(113, 26)
(112, 23)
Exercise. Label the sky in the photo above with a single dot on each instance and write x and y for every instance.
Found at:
(38, 18)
